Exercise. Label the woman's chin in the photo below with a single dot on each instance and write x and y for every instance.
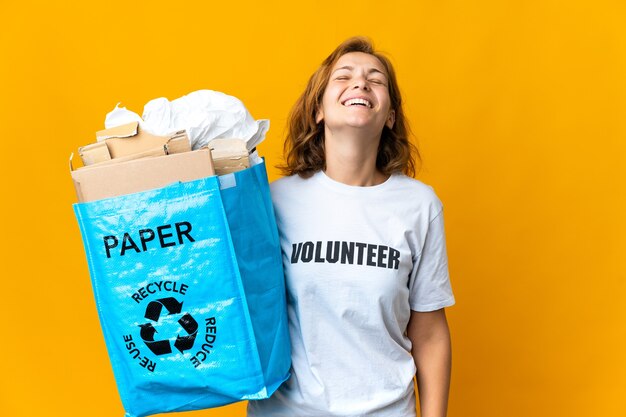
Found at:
(357, 123)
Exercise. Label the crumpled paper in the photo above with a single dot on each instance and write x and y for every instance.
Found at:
(204, 114)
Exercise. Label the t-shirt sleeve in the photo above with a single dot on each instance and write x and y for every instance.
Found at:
(429, 283)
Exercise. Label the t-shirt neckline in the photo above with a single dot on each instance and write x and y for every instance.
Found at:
(352, 189)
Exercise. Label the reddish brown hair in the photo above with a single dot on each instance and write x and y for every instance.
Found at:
(304, 144)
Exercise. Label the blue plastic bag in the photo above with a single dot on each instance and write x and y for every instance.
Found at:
(189, 288)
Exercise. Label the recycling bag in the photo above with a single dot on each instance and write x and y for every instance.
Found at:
(189, 287)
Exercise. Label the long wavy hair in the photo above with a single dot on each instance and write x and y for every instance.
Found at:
(304, 145)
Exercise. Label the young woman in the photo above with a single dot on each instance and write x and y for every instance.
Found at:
(363, 249)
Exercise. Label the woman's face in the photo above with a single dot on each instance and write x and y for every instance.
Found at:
(357, 95)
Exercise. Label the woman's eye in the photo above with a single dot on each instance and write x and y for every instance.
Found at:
(376, 81)
(343, 77)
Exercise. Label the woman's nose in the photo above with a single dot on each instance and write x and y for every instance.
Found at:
(360, 82)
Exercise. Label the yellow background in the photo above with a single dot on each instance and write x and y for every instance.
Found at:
(519, 109)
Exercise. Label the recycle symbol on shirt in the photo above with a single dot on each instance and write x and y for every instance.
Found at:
(187, 322)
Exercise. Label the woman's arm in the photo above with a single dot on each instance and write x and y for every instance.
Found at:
(432, 354)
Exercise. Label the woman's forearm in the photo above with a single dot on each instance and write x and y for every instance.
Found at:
(433, 358)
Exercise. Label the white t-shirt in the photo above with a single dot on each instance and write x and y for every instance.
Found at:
(357, 261)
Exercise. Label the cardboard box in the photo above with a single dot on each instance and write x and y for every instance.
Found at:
(229, 155)
(130, 141)
(115, 179)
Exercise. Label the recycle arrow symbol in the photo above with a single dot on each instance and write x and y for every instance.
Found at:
(190, 325)
(153, 310)
(158, 347)
(187, 322)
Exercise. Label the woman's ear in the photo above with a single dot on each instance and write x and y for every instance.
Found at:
(391, 119)
(320, 115)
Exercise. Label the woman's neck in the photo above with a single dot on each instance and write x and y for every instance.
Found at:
(351, 159)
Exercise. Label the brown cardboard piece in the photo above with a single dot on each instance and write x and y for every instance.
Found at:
(130, 141)
(229, 155)
(115, 179)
